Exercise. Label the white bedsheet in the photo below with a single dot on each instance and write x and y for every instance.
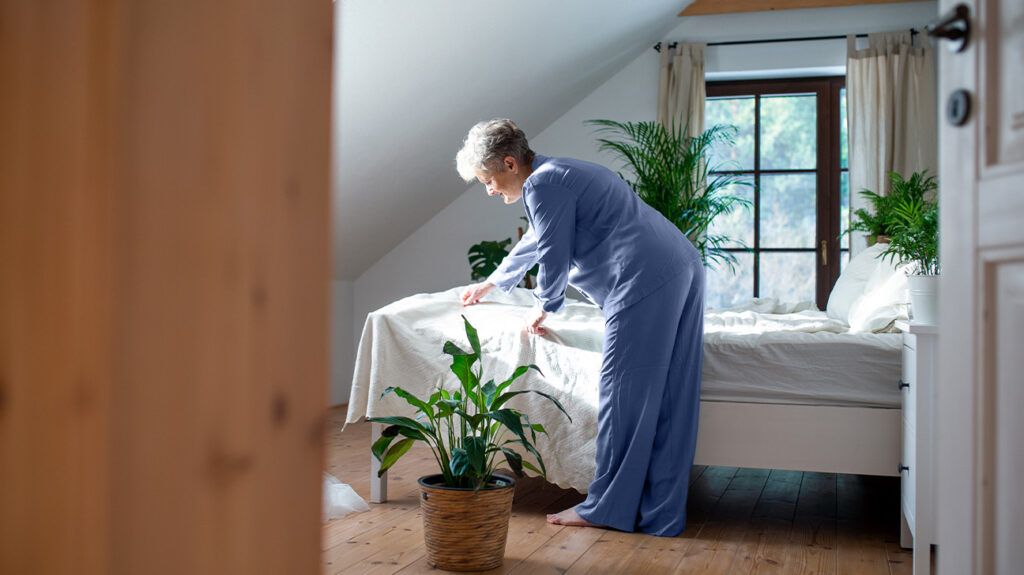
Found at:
(768, 352)
(757, 353)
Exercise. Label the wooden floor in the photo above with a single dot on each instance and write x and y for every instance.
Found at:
(739, 521)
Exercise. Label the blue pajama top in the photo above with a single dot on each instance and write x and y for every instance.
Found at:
(588, 228)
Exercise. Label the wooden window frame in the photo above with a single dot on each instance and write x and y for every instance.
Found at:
(828, 193)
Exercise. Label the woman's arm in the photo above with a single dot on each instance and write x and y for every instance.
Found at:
(554, 217)
(515, 265)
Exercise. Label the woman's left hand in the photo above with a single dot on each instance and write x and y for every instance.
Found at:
(534, 319)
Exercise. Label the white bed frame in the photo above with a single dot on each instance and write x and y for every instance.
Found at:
(824, 438)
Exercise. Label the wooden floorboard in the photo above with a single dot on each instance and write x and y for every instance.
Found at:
(739, 521)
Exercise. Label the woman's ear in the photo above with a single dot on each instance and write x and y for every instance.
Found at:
(511, 164)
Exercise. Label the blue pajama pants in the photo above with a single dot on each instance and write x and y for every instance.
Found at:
(649, 401)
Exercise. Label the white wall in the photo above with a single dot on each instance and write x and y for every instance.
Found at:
(433, 258)
(343, 346)
(413, 75)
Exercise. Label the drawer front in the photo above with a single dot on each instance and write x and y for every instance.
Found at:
(908, 478)
(909, 393)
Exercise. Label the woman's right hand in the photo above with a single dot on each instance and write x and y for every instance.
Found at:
(475, 292)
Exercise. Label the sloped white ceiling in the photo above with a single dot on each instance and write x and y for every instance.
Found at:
(412, 76)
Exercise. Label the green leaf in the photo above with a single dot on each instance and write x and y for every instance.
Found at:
(462, 368)
(532, 468)
(474, 339)
(519, 371)
(459, 463)
(405, 422)
(510, 419)
(474, 420)
(446, 407)
(410, 399)
(397, 451)
(529, 447)
(489, 390)
(380, 446)
(486, 256)
(452, 349)
(476, 452)
(509, 395)
(515, 461)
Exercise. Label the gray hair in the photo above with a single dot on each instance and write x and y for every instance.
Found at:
(488, 143)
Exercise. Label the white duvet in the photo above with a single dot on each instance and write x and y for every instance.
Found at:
(401, 346)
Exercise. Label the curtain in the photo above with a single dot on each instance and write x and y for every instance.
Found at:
(890, 95)
(681, 92)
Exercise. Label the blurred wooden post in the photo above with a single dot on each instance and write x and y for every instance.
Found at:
(164, 275)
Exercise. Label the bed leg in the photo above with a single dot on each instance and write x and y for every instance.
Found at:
(378, 485)
(906, 537)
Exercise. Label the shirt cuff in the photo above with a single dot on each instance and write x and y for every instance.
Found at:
(553, 305)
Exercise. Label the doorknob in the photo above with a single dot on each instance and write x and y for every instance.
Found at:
(955, 27)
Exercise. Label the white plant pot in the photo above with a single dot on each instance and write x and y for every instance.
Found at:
(924, 299)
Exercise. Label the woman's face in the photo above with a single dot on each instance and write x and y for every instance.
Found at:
(507, 181)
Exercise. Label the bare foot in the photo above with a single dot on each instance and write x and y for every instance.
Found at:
(569, 517)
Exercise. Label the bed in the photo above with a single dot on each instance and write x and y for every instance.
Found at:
(784, 386)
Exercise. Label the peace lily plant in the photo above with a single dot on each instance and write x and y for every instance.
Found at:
(466, 508)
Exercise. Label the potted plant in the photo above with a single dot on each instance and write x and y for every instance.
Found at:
(914, 240)
(874, 223)
(672, 174)
(466, 507)
(877, 223)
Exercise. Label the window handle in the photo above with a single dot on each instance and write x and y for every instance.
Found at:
(824, 252)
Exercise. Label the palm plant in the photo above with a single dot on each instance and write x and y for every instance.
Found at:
(914, 227)
(672, 173)
(875, 222)
(465, 428)
(882, 218)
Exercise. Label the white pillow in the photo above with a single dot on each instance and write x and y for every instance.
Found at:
(852, 281)
(884, 299)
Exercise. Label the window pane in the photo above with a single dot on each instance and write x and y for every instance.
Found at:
(788, 210)
(844, 209)
(725, 288)
(844, 136)
(789, 132)
(738, 224)
(789, 277)
(737, 112)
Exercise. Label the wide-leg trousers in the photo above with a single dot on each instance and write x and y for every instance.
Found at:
(648, 407)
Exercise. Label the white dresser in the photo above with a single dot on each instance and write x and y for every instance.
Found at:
(917, 475)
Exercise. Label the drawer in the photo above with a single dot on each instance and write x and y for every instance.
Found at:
(909, 393)
(908, 478)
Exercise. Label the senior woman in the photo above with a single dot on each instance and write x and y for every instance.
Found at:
(589, 229)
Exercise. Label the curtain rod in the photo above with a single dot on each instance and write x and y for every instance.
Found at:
(673, 45)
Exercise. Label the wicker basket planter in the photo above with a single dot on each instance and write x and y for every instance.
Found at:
(463, 530)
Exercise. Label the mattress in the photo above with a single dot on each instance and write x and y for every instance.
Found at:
(765, 352)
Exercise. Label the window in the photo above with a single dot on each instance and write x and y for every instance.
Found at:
(791, 149)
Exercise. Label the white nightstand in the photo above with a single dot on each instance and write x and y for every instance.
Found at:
(917, 475)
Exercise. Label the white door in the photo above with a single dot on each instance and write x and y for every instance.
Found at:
(980, 393)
